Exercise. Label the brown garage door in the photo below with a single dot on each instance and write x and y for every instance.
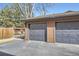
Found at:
(67, 32)
(38, 32)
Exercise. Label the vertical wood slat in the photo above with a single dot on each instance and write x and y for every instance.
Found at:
(51, 31)
(6, 33)
(0, 33)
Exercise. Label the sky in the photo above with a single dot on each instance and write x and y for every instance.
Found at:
(63, 7)
(2, 5)
(57, 8)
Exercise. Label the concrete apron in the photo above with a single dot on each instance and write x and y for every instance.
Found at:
(66, 45)
(39, 48)
(52, 44)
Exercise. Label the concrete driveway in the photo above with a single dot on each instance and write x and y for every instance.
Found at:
(38, 48)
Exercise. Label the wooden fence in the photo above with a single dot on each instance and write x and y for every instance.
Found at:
(6, 33)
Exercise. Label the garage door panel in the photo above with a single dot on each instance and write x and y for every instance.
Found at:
(66, 38)
(69, 32)
(38, 32)
(75, 38)
(37, 26)
(38, 35)
(59, 35)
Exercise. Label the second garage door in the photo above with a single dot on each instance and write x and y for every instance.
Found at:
(67, 32)
(38, 32)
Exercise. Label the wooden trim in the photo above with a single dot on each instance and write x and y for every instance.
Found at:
(26, 31)
(51, 31)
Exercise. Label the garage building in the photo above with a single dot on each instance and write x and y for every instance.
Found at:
(61, 28)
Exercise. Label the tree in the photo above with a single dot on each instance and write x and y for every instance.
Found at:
(10, 17)
(17, 14)
(26, 10)
(43, 8)
(5, 17)
(13, 14)
(30, 9)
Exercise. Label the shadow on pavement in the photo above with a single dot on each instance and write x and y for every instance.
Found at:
(5, 54)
